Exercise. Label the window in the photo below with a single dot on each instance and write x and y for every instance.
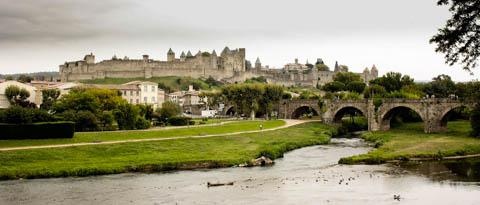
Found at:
(145, 88)
(131, 92)
(153, 88)
(137, 101)
(153, 99)
(131, 101)
(145, 99)
(138, 92)
(124, 93)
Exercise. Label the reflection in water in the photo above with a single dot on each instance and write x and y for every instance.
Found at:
(305, 176)
(466, 170)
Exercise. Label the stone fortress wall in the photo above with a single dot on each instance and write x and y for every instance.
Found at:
(230, 66)
(203, 64)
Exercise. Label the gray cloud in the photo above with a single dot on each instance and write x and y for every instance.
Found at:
(393, 34)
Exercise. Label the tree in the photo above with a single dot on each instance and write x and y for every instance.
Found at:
(169, 109)
(86, 121)
(49, 97)
(441, 86)
(334, 86)
(18, 96)
(9, 77)
(346, 77)
(252, 94)
(393, 81)
(322, 67)
(475, 121)
(272, 94)
(374, 91)
(459, 40)
(356, 86)
(24, 79)
(126, 116)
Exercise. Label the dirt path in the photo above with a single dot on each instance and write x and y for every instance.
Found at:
(288, 123)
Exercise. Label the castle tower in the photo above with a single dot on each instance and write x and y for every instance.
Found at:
(374, 72)
(337, 68)
(189, 54)
(170, 55)
(258, 64)
(198, 54)
(89, 59)
(296, 60)
(145, 58)
(226, 50)
(319, 61)
(214, 53)
(182, 56)
(366, 75)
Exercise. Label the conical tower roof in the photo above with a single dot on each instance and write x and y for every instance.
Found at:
(182, 55)
(189, 54)
(226, 49)
(257, 61)
(170, 51)
(214, 53)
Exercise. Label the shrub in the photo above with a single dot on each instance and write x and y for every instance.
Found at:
(86, 121)
(16, 115)
(142, 123)
(42, 130)
(126, 115)
(169, 109)
(179, 121)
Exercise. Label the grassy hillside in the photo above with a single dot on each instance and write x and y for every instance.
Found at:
(167, 83)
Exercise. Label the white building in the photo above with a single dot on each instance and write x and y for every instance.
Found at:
(137, 92)
(4, 85)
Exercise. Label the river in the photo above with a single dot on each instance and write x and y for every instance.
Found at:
(309, 175)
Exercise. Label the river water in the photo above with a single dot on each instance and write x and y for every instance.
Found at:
(305, 176)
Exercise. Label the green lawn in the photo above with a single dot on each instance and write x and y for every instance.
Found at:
(165, 155)
(143, 134)
(409, 141)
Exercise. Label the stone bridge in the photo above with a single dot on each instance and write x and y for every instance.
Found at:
(433, 111)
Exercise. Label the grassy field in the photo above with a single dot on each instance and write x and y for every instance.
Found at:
(165, 155)
(173, 82)
(144, 134)
(409, 141)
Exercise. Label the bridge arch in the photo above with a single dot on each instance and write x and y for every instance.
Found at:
(230, 111)
(339, 113)
(302, 110)
(445, 116)
(387, 113)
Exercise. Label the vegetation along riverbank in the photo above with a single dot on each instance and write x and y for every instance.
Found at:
(175, 154)
(409, 142)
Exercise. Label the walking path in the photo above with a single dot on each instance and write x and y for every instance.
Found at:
(288, 123)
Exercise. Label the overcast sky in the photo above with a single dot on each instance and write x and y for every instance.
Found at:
(39, 35)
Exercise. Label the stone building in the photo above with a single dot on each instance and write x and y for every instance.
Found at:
(229, 65)
(297, 74)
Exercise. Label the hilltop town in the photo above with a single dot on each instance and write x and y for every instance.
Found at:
(230, 66)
